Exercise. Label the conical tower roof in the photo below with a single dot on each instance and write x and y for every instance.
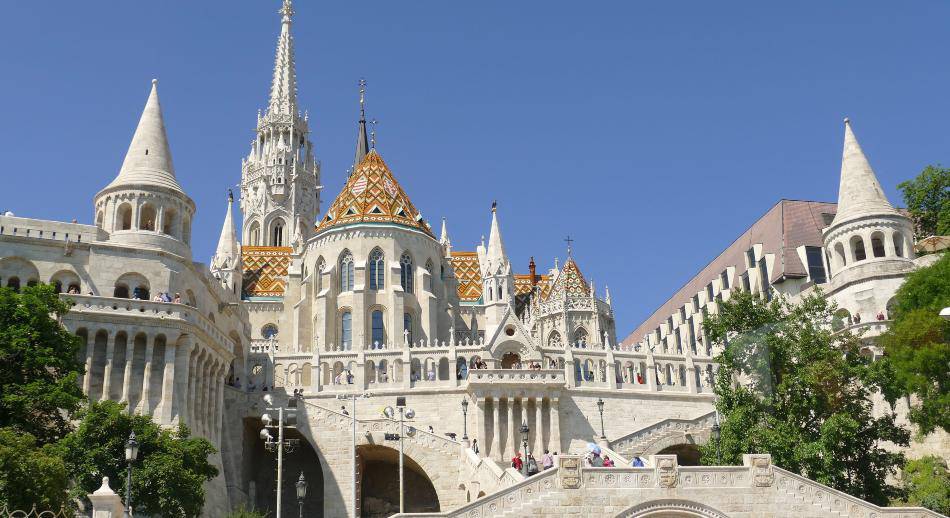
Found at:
(860, 193)
(283, 90)
(372, 195)
(569, 280)
(149, 159)
(228, 250)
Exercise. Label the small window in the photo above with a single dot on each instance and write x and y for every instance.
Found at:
(269, 332)
(857, 245)
(379, 335)
(816, 268)
(346, 331)
(764, 279)
(405, 272)
(346, 271)
(877, 244)
(377, 270)
(750, 258)
(898, 244)
(724, 279)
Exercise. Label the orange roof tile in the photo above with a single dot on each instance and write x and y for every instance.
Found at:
(570, 280)
(372, 195)
(265, 270)
(468, 276)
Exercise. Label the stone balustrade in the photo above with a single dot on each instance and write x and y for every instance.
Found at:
(519, 377)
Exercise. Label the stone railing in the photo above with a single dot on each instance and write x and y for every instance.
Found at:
(639, 441)
(179, 313)
(48, 230)
(552, 377)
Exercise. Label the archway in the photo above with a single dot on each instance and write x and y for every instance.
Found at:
(260, 473)
(509, 360)
(379, 483)
(671, 509)
(686, 454)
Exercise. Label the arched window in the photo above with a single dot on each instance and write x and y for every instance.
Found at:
(121, 291)
(857, 247)
(318, 275)
(346, 330)
(346, 271)
(13, 283)
(186, 230)
(269, 332)
(429, 277)
(377, 270)
(254, 234)
(840, 255)
(580, 338)
(277, 234)
(554, 341)
(168, 222)
(407, 327)
(99, 217)
(405, 272)
(124, 217)
(147, 218)
(877, 244)
(898, 244)
(379, 332)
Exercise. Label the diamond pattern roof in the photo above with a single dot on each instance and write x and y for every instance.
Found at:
(265, 270)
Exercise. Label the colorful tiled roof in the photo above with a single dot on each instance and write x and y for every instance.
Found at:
(468, 276)
(523, 284)
(372, 195)
(265, 270)
(569, 280)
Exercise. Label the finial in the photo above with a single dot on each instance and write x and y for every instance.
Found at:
(494, 205)
(847, 120)
(362, 99)
(287, 10)
(230, 196)
(569, 250)
(154, 82)
(372, 134)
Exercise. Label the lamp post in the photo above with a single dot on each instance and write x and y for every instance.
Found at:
(131, 453)
(715, 435)
(464, 419)
(353, 398)
(281, 445)
(301, 492)
(404, 413)
(524, 444)
(600, 408)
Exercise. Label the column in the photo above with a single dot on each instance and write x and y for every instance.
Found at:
(495, 450)
(538, 428)
(164, 410)
(553, 415)
(147, 377)
(127, 375)
(90, 350)
(219, 415)
(212, 409)
(107, 374)
(691, 376)
(512, 439)
(190, 391)
(479, 432)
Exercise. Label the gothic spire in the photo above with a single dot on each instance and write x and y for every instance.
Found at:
(495, 253)
(227, 252)
(283, 90)
(444, 238)
(859, 193)
(362, 144)
(149, 159)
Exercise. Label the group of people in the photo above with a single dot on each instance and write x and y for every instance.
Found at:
(594, 460)
(343, 377)
(547, 462)
(162, 297)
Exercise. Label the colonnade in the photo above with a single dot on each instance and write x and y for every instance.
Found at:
(498, 420)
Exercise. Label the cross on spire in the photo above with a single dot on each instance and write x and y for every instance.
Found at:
(362, 99)
(569, 248)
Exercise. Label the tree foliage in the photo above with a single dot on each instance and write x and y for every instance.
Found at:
(927, 483)
(928, 199)
(170, 470)
(39, 366)
(790, 386)
(244, 512)
(917, 345)
(30, 474)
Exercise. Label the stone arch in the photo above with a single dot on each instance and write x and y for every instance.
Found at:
(379, 495)
(66, 281)
(443, 369)
(877, 244)
(679, 441)
(123, 217)
(580, 338)
(254, 234)
(169, 222)
(278, 232)
(671, 509)
(554, 340)
(858, 251)
(262, 465)
(840, 257)
(16, 271)
(131, 285)
(898, 239)
(148, 215)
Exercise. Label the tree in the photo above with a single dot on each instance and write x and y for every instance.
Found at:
(170, 470)
(917, 345)
(30, 474)
(39, 366)
(789, 386)
(927, 484)
(928, 199)
(243, 512)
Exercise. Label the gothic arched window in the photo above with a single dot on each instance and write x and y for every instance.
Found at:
(429, 277)
(318, 275)
(377, 270)
(254, 234)
(346, 271)
(346, 330)
(405, 272)
(407, 326)
(580, 338)
(554, 341)
(379, 332)
(278, 233)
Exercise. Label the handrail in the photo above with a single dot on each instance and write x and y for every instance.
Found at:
(634, 437)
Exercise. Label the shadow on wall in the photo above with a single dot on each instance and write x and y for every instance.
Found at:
(260, 473)
(379, 483)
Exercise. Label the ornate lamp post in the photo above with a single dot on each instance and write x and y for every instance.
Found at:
(131, 453)
(524, 444)
(715, 437)
(464, 419)
(301, 492)
(281, 445)
(600, 408)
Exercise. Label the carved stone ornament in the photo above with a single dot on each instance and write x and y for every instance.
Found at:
(570, 472)
(762, 475)
(667, 473)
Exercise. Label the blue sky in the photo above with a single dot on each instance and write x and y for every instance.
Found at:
(652, 133)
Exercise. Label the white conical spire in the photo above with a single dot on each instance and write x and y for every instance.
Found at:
(228, 249)
(444, 237)
(495, 254)
(149, 159)
(859, 193)
(283, 91)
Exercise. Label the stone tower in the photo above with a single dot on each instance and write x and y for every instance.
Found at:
(226, 262)
(280, 191)
(497, 277)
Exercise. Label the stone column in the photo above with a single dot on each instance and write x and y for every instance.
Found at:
(495, 449)
(147, 376)
(553, 414)
(513, 433)
(190, 394)
(90, 350)
(479, 431)
(182, 375)
(538, 427)
(127, 375)
(691, 375)
(219, 414)
(163, 412)
(107, 373)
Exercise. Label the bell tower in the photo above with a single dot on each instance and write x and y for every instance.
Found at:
(280, 178)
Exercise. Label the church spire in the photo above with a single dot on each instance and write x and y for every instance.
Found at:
(226, 262)
(444, 239)
(860, 193)
(362, 144)
(283, 91)
(149, 159)
(495, 254)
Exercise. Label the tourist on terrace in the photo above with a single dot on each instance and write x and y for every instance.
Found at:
(532, 465)
(343, 410)
(607, 462)
(516, 462)
(547, 461)
(637, 462)
(595, 460)
(431, 375)
(475, 445)
(177, 299)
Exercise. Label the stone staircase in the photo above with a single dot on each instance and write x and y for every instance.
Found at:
(650, 439)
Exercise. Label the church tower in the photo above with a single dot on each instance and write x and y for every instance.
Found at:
(497, 278)
(226, 262)
(280, 191)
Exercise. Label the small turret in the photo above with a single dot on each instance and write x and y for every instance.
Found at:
(226, 262)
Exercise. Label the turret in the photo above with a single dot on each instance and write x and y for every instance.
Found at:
(226, 262)
(144, 205)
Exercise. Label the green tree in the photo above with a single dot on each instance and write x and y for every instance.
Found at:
(243, 512)
(927, 484)
(170, 470)
(917, 344)
(790, 386)
(39, 366)
(928, 199)
(30, 474)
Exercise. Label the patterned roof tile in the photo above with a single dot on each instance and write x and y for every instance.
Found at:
(265, 270)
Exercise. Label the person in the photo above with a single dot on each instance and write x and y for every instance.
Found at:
(639, 378)
(177, 299)
(857, 318)
(547, 461)
(74, 290)
(880, 315)
(475, 445)
(637, 462)
(431, 375)
(532, 465)
(596, 461)
(516, 461)
(343, 410)
(157, 297)
(607, 462)
(431, 430)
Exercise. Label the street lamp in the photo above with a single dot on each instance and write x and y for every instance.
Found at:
(715, 436)
(301, 492)
(464, 419)
(524, 443)
(281, 445)
(353, 398)
(600, 408)
(404, 413)
(131, 453)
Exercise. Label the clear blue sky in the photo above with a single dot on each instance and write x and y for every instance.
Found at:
(653, 133)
